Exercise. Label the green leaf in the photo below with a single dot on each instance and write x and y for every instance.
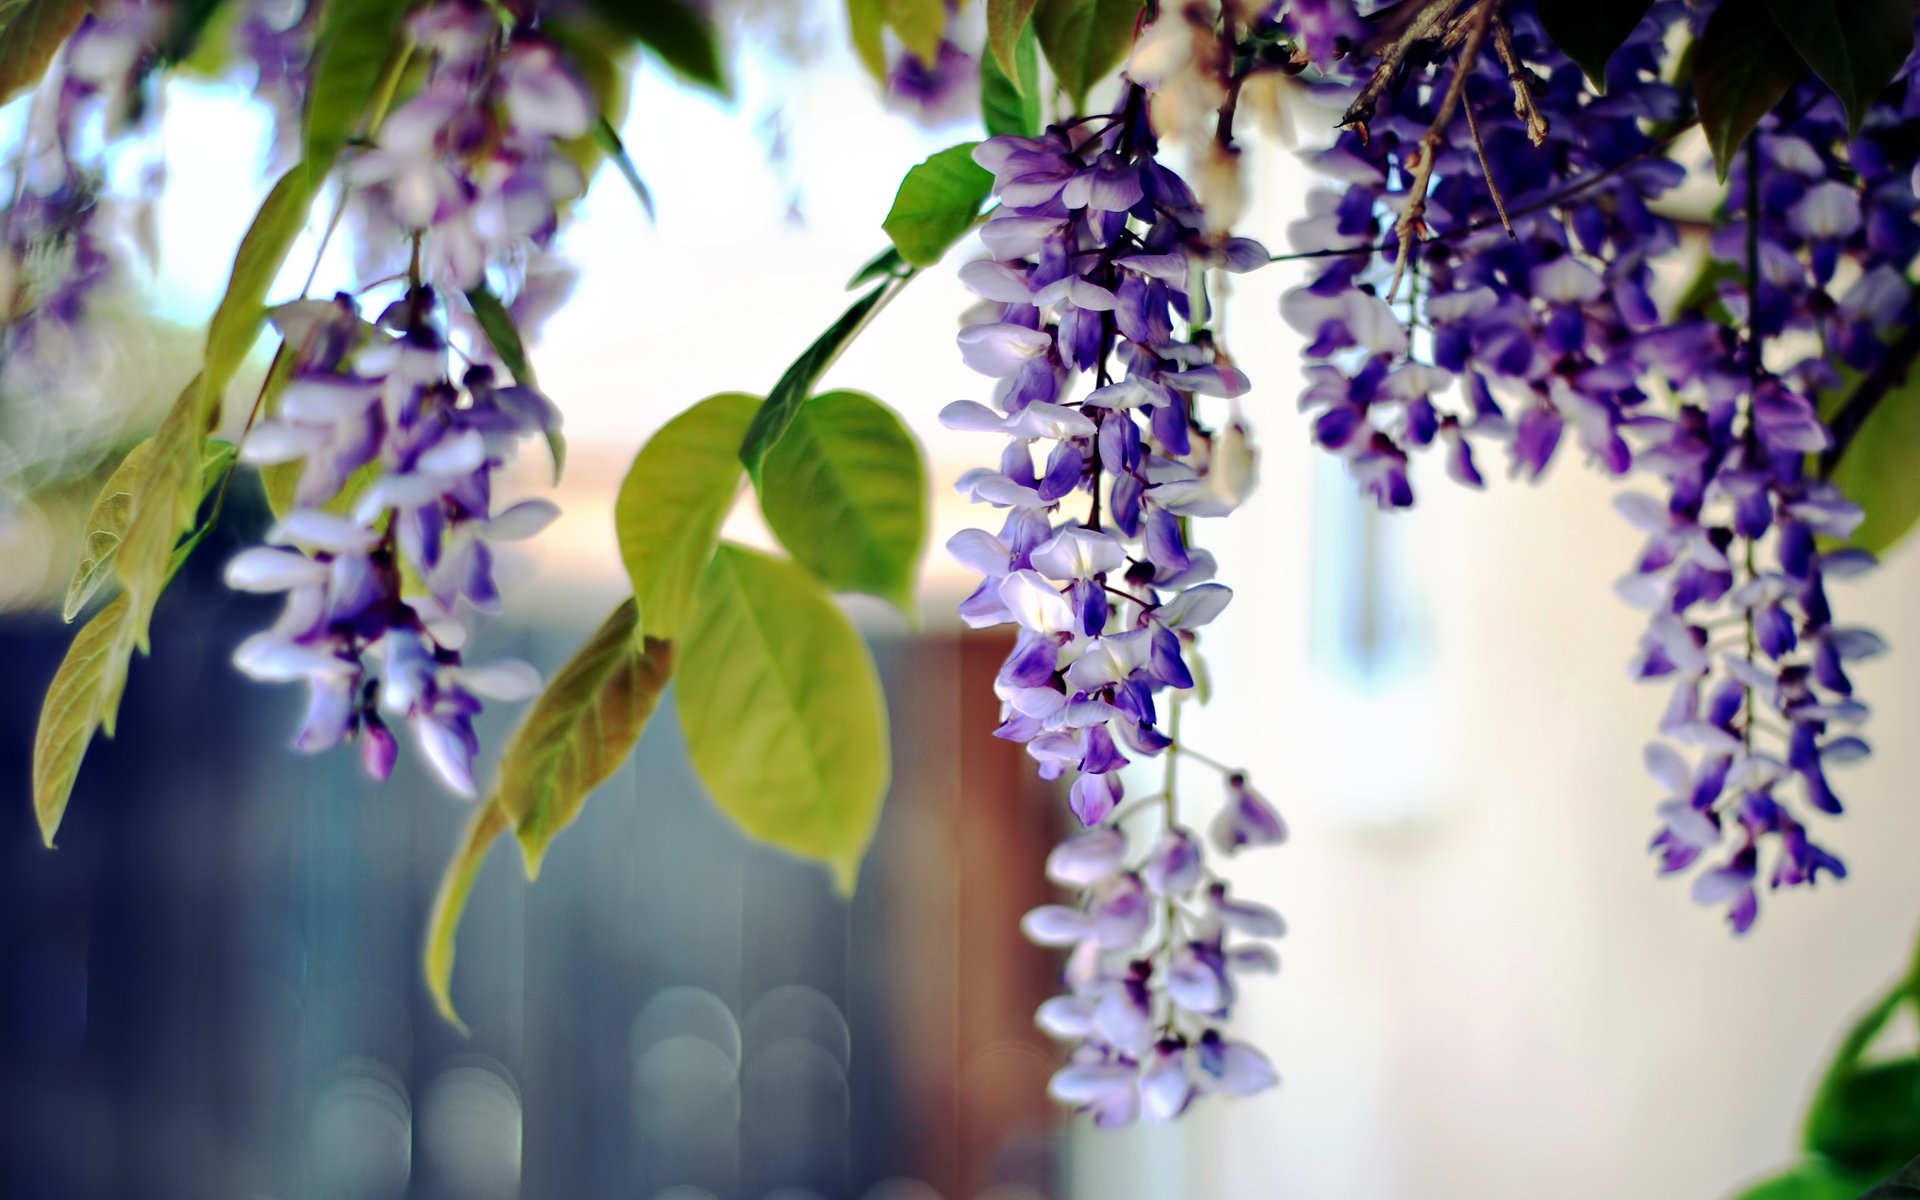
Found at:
(602, 59)
(356, 59)
(1589, 31)
(887, 262)
(672, 503)
(1880, 470)
(106, 525)
(166, 493)
(920, 24)
(1856, 46)
(31, 33)
(263, 251)
(488, 823)
(207, 50)
(1007, 27)
(580, 729)
(1010, 103)
(776, 412)
(1812, 1179)
(1084, 40)
(74, 707)
(866, 27)
(782, 712)
(504, 336)
(1903, 1184)
(675, 32)
(608, 139)
(1869, 1122)
(845, 491)
(936, 204)
(190, 22)
(1741, 67)
(85, 692)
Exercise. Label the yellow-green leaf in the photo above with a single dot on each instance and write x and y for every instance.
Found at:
(263, 251)
(921, 25)
(796, 383)
(106, 525)
(1880, 470)
(73, 709)
(1084, 40)
(1010, 100)
(359, 52)
(31, 33)
(85, 692)
(866, 25)
(936, 204)
(166, 494)
(845, 491)
(1006, 21)
(672, 502)
(782, 711)
(580, 729)
(488, 823)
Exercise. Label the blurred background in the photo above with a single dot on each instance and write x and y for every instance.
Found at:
(211, 989)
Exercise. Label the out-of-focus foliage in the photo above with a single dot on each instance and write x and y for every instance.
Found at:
(1864, 1122)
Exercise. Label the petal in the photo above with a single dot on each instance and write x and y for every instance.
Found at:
(980, 551)
(263, 569)
(522, 520)
(1056, 925)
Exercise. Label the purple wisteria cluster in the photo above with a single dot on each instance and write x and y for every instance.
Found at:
(276, 38)
(66, 237)
(471, 165)
(1551, 328)
(1098, 262)
(1818, 282)
(385, 551)
(1546, 319)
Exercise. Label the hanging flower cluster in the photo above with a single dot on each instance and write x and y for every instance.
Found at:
(1098, 265)
(66, 237)
(1511, 199)
(385, 551)
(1546, 318)
(471, 164)
(276, 38)
(1821, 210)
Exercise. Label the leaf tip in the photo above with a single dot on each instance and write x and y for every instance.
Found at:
(533, 850)
(846, 874)
(451, 901)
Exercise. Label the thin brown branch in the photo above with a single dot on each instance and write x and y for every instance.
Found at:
(1424, 25)
(1486, 172)
(1526, 210)
(1522, 80)
(1412, 223)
